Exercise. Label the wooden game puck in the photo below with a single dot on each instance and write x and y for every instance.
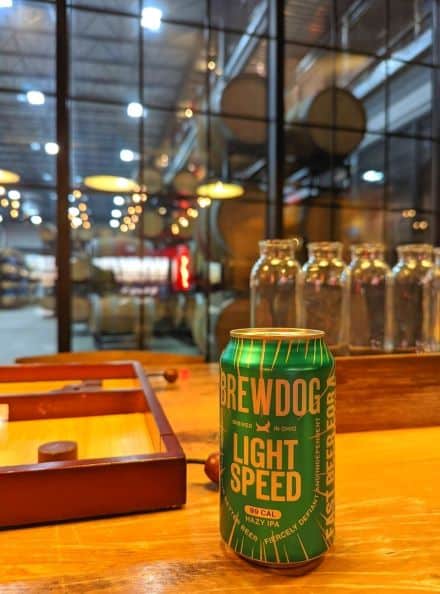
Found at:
(53, 451)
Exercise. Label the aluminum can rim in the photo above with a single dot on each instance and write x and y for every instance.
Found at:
(276, 333)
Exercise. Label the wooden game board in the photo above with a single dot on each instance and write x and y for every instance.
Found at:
(128, 456)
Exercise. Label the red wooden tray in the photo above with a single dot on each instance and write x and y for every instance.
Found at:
(53, 491)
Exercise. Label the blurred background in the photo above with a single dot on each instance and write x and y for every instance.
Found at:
(146, 146)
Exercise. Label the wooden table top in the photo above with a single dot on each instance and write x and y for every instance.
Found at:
(388, 523)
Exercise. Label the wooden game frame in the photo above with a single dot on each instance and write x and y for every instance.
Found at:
(57, 491)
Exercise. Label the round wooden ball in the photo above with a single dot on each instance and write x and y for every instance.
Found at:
(212, 467)
(170, 375)
(54, 451)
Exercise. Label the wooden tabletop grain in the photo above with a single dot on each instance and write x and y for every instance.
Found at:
(388, 523)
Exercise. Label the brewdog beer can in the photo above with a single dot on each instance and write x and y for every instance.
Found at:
(277, 446)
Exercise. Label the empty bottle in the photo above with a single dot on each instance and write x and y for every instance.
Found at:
(323, 294)
(412, 300)
(273, 284)
(434, 289)
(370, 303)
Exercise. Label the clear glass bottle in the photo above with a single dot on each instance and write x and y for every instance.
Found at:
(273, 283)
(323, 293)
(370, 300)
(434, 289)
(412, 298)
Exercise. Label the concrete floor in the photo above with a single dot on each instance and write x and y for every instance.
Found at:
(28, 331)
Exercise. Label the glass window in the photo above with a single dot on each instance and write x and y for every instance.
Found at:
(27, 180)
(27, 48)
(309, 22)
(104, 56)
(410, 98)
(361, 26)
(170, 104)
(175, 66)
(105, 140)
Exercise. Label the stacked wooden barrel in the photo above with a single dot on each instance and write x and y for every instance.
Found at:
(15, 289)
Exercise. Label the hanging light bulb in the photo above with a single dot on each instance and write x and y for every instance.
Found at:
(218, 190)
(192, 212)
(203, 201)
(135, 110)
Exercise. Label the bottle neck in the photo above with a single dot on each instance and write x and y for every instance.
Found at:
(324, 250)
(415, 253)
(278, 248)
(367, 251)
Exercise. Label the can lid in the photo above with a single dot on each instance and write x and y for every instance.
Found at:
(276, 333)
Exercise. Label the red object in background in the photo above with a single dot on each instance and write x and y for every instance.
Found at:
(181, 277)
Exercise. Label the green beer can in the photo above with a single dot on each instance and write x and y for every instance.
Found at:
(277, 446)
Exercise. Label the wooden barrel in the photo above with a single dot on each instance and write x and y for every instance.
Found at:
(13, 294)
(185, 183)
(15, 288)
(230, 222)
(231, 314)
(189, 312)
(48, 233)
(198, 323)
(152, 179)
(114, 246)
(48, 303)
(80, 269)
(83, 234)
(225, 314)
(80, 309)
(118, 246)
(184, 312)
(119, 315)
(10, 270)
(334, 121)
(149, 305)
(153, 223)
(245, 96)
(113, 314)
(165, 312)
